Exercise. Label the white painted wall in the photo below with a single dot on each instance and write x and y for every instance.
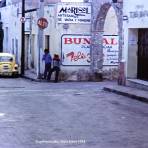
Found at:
(111, 29)
(56, 31)
(111, 24)
(11, 26)
(12, 21)
(136, 14)
(135, 6)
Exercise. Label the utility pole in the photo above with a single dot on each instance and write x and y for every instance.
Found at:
(23, 36)
(23, 39)
(40, 39)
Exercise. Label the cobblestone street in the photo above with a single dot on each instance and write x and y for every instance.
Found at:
(69, 115)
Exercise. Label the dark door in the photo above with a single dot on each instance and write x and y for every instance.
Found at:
(143, 54)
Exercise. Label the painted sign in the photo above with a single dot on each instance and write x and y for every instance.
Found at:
(42, 23)
(110, 50)
(139, 12)
(76, 50)
(74, 13)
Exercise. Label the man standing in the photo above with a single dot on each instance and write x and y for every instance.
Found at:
(48, 59)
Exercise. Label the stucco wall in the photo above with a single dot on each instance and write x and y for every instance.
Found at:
(56, 30)
(11, 20)
(135, 14)
(11, 26)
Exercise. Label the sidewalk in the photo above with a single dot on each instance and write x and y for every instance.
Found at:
(133, 93)
(31, 75)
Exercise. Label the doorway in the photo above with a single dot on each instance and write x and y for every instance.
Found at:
(143, 54)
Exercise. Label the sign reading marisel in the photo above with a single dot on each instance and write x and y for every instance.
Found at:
(74, 13)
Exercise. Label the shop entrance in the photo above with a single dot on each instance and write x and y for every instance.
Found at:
(143, 54)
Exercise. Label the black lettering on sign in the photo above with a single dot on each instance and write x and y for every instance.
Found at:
(79, 11)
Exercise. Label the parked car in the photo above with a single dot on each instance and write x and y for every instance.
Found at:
(8, 66)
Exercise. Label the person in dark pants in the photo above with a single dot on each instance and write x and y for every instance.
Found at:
(56, 67)
(48, 59)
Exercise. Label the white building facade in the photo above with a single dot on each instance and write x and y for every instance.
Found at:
(135, 53)
(68, 34)
(86, 35)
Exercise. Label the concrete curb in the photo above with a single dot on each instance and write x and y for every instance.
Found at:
(127, 94)
(32, 79)
(38, 80)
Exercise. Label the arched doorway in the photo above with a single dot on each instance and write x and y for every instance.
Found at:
(99, 28)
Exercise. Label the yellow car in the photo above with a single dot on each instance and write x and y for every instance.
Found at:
(8, 66)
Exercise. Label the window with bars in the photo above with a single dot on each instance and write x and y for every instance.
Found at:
(115, 1)
(2, 3)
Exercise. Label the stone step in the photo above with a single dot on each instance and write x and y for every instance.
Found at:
(133, 93)
(136, 83)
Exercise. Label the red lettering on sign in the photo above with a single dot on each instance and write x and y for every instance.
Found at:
(77, 40)
(87, 40)
(76, 56)
(67, 40)
(111, 41)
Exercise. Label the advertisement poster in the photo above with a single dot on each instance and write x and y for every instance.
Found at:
(76, 50)
(110, 50)
(74, 13)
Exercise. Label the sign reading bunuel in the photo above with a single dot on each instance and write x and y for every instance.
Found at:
(74, 13)
(76, 50)
(110, 50)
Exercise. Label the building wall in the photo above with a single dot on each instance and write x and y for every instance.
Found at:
(56, 30)
(111, 23)
(12, 26)
(110, 32)
(135, 17)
